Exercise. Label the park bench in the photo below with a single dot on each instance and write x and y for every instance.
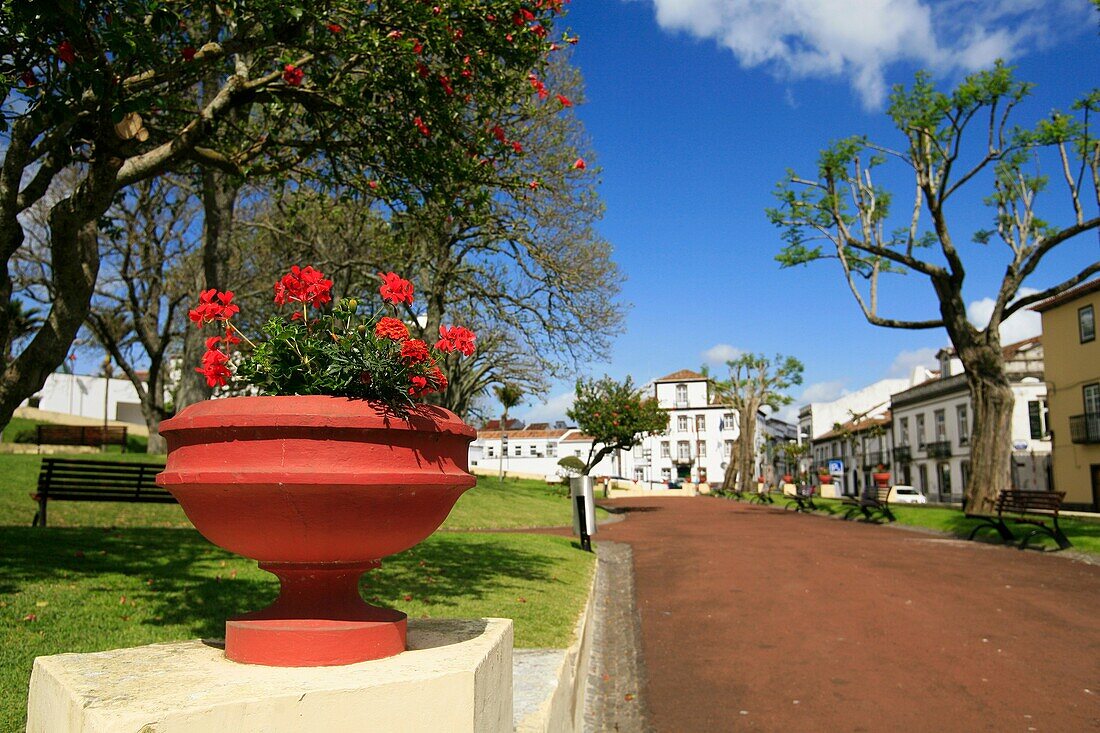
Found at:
(802, 500)
(761, 497)
(93, 435)
(69, 479)
(1025, 507)
(871, 505)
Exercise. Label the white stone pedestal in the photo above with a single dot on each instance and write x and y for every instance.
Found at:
(456, 676)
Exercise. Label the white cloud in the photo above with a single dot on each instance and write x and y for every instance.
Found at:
(1023, 324)
(859, 40)
(905, 361)
(822, 392)
(551, 410)
(719, 354)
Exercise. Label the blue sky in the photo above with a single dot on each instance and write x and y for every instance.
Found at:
(696, 108)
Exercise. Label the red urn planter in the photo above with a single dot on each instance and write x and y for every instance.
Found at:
(318, 490)
(882, 479)
(824, 478)
(787, 478)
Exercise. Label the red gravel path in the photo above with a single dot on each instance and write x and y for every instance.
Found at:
(754, 618)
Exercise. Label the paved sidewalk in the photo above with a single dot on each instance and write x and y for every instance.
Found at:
(759, 619)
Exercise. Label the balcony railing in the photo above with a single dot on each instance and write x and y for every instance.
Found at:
(876, 458)
(902, 454)
(1085, 428)
(938, 449)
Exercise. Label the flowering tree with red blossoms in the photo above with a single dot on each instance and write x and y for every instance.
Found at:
(113, 92)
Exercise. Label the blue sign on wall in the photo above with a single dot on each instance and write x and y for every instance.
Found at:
(836, 468)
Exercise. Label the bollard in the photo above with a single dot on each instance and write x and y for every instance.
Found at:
(584, 509)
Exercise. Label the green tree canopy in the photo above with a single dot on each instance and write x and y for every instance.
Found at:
(119, 91)
(962, 148)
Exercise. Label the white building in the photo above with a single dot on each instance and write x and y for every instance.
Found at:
(86, 396)
(697, 444)
(695, 448)
(532, 452)
(932, 423)
(818, 418)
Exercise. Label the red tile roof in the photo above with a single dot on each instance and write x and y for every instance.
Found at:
(684, 375)
(1071, 294)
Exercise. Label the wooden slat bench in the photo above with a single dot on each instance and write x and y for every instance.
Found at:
(93, 435)
(802, 500)
(1035, 508)
(871, 506)
(69, 479)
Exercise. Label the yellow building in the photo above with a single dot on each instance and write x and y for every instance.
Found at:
(1073, 391)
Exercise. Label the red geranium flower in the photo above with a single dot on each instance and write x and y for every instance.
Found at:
(213, 306)
(419, 386)
(391, 328)
(438, 378)
(292, 75)
(456, 338)
(303, 285)
(214, 368)
(414, 351)
(65, 52)
(335, 28)
(396, 289)
(579, 164)
(565, 101)
(424, 129)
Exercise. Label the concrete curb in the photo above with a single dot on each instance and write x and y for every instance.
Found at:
(549, 685)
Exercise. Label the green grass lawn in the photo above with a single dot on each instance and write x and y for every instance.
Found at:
(1083, 532)
(134, 443)
(105, 576)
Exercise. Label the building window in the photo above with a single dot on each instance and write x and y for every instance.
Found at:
(728, 421)
(639, 474)
(577, 453)
(941, 425)
(552, 450)
(1037, 418)
(1086, 323)
(727, 448)
(682, 423)
(944, 472)
(701, 448)
(638, 451)
(534, 451)
(964, 424)
(517, 450)
(664, 449)
(920, 431)
(922, 472)
(683, 451)
(1091, 397)
(490, 451)
(700, 423)
(964, 467)
(666, 474)
(681, 394)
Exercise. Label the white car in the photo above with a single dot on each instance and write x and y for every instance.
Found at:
(907, 495)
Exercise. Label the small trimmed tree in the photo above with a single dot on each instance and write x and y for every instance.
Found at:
(616, 414)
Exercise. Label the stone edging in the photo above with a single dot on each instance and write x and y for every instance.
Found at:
(562, 711)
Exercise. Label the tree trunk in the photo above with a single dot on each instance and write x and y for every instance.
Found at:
(990, 440)
(157, 444)
(746, 453)
(75, 249)
(219, 198)
(729, 479)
